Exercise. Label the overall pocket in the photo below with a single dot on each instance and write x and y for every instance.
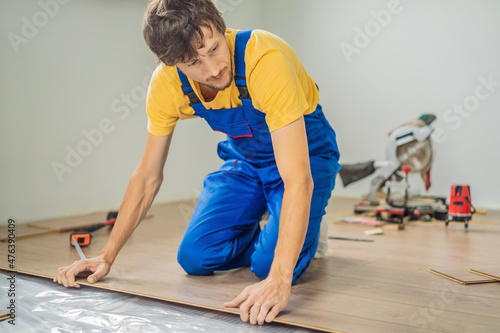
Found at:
(239, 129)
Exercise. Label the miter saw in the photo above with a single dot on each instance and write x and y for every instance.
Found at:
(409, 150)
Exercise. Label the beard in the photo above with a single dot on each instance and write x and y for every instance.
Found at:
(219, 88)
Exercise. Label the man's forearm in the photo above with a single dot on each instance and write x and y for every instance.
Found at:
(138, 198)
(294, 218)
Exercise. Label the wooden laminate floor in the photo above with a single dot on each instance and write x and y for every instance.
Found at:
(381, 286)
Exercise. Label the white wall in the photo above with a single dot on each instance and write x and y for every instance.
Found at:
(67, 76)
(70, 73)
(429, 57)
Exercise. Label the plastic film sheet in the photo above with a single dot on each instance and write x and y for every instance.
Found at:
(43, 306)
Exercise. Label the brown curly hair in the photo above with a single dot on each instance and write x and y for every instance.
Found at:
(172, 28)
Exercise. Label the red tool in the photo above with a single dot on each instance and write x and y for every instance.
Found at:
(460, 208)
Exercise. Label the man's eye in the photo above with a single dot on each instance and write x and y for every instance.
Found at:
(193, 63)
(215, 48)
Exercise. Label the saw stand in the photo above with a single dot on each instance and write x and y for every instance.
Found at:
(398, 210)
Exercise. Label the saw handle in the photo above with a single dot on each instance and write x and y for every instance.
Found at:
(350, 173)
(406, 169)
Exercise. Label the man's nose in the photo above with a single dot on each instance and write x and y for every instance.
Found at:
(213, 67)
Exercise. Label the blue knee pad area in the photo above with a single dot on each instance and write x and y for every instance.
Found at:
(224, 231)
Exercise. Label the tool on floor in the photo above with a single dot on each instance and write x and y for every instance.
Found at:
(359, 220)
(409, 150)
(74, 242)
(402, 210)
(373, 232)
(351, 239)
(409, 145)
(394, 213)
(460, 208)
(83, 236)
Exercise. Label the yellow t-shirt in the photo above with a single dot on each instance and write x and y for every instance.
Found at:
(277, 82)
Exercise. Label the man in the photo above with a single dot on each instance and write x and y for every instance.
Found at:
(280, 155)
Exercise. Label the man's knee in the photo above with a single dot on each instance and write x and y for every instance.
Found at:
(192, 260)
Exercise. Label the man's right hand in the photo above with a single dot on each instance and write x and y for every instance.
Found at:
(98, 266)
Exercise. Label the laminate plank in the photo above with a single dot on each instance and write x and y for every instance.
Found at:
(434, 315)
(450, 295)
(70, 222)
(4, 315)
(147, 266)
(22, 231)
(421, 279)
(304, 304)
(490, 272)
(462, 280)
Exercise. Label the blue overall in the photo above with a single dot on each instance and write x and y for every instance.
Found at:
(224, 231)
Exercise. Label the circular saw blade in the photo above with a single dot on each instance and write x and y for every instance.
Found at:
(416, 154)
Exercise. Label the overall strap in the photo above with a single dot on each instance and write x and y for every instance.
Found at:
(195, 102)
(242, 38)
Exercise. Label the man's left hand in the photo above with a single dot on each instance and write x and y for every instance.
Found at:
(262, 301)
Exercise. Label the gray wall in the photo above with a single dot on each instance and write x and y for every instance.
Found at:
(430, 56)
(84, 66)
